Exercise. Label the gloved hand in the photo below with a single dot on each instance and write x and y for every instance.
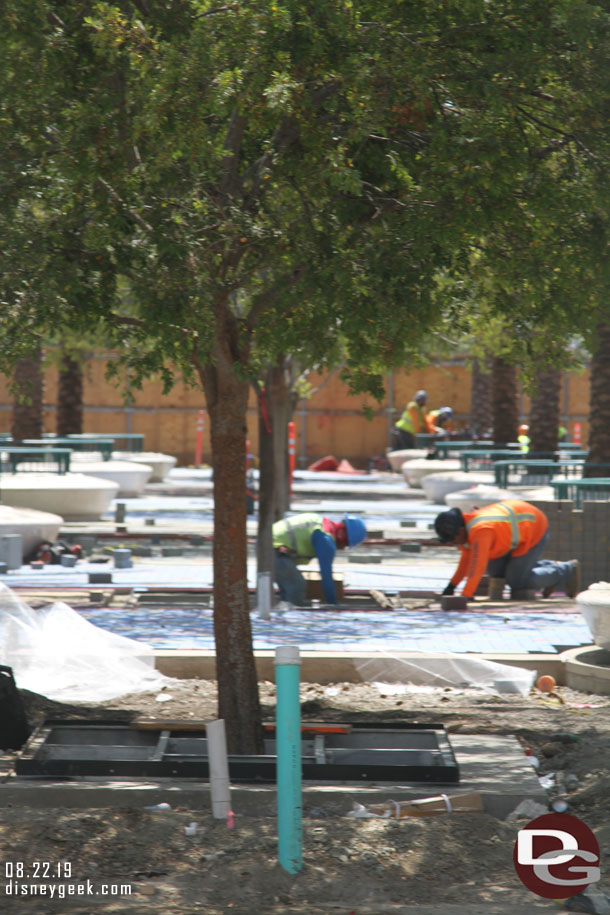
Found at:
(449, 589)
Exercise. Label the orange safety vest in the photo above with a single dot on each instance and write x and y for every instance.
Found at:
(512, 527)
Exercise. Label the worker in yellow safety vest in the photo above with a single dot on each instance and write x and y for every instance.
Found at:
(507, 539)
(411, 423)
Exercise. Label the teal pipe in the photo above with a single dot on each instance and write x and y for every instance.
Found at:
(289, 758)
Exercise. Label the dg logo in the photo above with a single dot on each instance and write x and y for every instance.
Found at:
(556, 856)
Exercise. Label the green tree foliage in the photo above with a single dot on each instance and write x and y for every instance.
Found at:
(286, 177)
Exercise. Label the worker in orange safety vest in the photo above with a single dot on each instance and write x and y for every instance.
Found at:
(506, 539)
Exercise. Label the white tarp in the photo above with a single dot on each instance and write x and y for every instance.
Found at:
(55, 652)
(460, 671)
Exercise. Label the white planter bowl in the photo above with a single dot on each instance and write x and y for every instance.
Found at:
(33, 526)
(415, 471)
(594, 604)
(73, 496)
(161, 463)
(131, 477)
(477, 497)
(397, 458)
(438, 485)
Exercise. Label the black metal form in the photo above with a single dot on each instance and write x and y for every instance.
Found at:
(371, 752)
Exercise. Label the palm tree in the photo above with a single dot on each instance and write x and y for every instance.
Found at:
(545, 411)
(481, 413)
(70, 396)
(28, 387)
(599, 406)
(505, 400)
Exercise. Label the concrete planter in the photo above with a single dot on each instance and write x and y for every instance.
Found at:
(438, 485)
(161, 463)
(477, 497)
(594, 604)
(130, 476)
(34, 527)
(397, 458)
(73, 496)
(415, 471)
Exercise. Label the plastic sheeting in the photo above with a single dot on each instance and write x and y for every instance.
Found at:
(438, 670)
(56, 653)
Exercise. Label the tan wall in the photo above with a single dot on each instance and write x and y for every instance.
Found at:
(331, 421)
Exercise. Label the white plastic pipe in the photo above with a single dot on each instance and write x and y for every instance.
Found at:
(220, 786)
(263, 595)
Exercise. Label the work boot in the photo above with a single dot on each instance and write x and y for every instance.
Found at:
(523, 594)
(495, 588)
(546, 592)
(573, 582)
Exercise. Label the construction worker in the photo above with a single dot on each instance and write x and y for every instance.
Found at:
(523, 437)
(439, 421)
(411, 423)
(298, 539)
(507, 539)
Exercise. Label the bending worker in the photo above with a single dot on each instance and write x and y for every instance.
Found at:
(507, 539)
(439, 421)
(298, 539)
(411, 423)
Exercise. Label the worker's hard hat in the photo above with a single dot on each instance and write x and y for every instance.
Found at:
(421, 396)
(445, 411)
(356, 530)
(447, 524)
(523, 429)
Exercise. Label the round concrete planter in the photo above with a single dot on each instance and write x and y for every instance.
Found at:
(587, 669)
(161, 463)
(34, 527)
(397, 458)
(477, 497)
(415, 471)
(73, 496)
(131, 477)
(438, 485)
(594, 604)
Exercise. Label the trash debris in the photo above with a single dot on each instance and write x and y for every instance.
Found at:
(559, 806)
(423, 807)
(546, 683)
(163, 697)
(159, 807)
(590, 900)
(547, 781)
(191, 829)
(526, 809)
(230, 820)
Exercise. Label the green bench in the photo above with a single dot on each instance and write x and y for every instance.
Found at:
(103, 445)
(131, 441)
(589, 489)
(14, 459)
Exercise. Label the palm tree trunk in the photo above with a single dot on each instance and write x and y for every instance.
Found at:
(70, 397)
(544, 412)
(505, 402)
(599, 406)
(481, 412)
(28, 383)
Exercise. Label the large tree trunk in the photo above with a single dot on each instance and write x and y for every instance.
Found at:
(28, 379)
(599, 406)
(505, 402)
(481, 412)
(227, 400)
(70, 397)
(544, 412)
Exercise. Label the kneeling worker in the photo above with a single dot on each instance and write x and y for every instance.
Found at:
(507, 539)
(298, 539)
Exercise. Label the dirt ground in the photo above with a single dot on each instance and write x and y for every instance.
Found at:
(350, 866)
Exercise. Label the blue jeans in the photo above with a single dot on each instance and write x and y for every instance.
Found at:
(529, 571)
(291, 584)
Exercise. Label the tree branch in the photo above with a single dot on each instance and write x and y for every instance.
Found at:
(115, 196)
(267, 298)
